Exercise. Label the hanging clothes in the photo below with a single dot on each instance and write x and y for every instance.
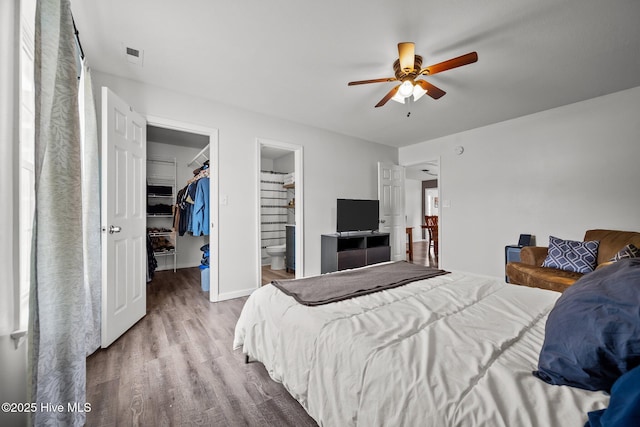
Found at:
(191, 211)
(200, 210)
(152, 263)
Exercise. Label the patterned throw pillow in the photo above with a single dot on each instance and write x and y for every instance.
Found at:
(570, 255)
(629, 251)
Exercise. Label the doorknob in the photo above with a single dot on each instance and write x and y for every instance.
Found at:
(114, 229)
(382, 221)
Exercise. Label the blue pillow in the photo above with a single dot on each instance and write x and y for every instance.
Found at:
(629, 251)
(624, 405)
(592, 336)
(570, 255)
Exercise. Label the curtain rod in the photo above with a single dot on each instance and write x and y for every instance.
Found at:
(77, 34)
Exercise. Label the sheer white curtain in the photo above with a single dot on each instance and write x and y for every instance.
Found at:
(90, 210)
(63, 290)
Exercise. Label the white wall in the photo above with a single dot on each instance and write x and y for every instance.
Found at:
(335, 166)
(413, 207)
(558, 172)
(285, 163)
(266, 164)
(432, 208)
(188, 247)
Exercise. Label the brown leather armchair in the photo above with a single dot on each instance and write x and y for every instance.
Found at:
(529, 271)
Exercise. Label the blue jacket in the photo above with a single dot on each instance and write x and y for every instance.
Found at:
(200, 210)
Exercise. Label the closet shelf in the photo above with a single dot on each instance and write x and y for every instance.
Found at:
(201, 157)
(162, 234)
(160, 196)
(161, 192)
(161, 160)
(163, 253)
(159, 178)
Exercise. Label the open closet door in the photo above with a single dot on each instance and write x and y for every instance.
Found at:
(391, 198)
(124, 260)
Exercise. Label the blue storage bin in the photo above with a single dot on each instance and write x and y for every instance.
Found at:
(204, 278)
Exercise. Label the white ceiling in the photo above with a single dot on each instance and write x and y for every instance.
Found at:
(293, 59)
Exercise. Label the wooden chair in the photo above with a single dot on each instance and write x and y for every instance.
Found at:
(431, 224)
(409, 231)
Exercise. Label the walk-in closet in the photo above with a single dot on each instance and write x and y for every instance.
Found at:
(180, 176)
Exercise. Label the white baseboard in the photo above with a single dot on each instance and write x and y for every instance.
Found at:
(236, 294)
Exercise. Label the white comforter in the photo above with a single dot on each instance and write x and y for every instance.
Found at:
(454, 350)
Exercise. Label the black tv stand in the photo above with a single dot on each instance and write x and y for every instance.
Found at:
(343, 251)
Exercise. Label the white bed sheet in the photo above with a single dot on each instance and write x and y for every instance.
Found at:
(454, 350)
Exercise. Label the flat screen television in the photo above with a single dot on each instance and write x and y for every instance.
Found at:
(357, 215)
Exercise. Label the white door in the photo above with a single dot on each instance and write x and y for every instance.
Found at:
(124, 259)
(391, 197)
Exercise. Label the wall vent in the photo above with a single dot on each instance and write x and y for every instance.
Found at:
(133, 52)
(133, 55)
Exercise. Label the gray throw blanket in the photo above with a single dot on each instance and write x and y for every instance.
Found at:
(332, 287)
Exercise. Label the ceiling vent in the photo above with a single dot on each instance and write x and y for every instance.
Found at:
(133, 55)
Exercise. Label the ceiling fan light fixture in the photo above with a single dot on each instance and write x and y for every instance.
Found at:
(406, 89)
(418, 92)
(398, 98)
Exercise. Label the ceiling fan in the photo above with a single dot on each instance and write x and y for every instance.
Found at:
(407, 70)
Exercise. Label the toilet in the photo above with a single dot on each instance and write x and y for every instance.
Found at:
(277, 256)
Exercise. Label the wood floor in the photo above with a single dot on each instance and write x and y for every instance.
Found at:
(268, 274)
(176, 367)
(423, 255)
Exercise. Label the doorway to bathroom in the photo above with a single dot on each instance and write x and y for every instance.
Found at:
(280, 211)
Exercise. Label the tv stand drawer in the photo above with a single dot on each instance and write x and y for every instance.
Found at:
(351, 259)
(378, 254)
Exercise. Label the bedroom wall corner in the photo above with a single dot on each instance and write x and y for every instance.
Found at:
(558, 172)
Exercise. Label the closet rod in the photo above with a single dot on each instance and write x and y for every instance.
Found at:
(77, 34)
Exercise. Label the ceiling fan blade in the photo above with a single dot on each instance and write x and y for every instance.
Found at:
(469, 58)
(433, 91)
(406, 55)
(388, 96)
(364, 82)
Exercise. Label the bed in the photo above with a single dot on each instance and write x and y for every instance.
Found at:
(452, 350)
